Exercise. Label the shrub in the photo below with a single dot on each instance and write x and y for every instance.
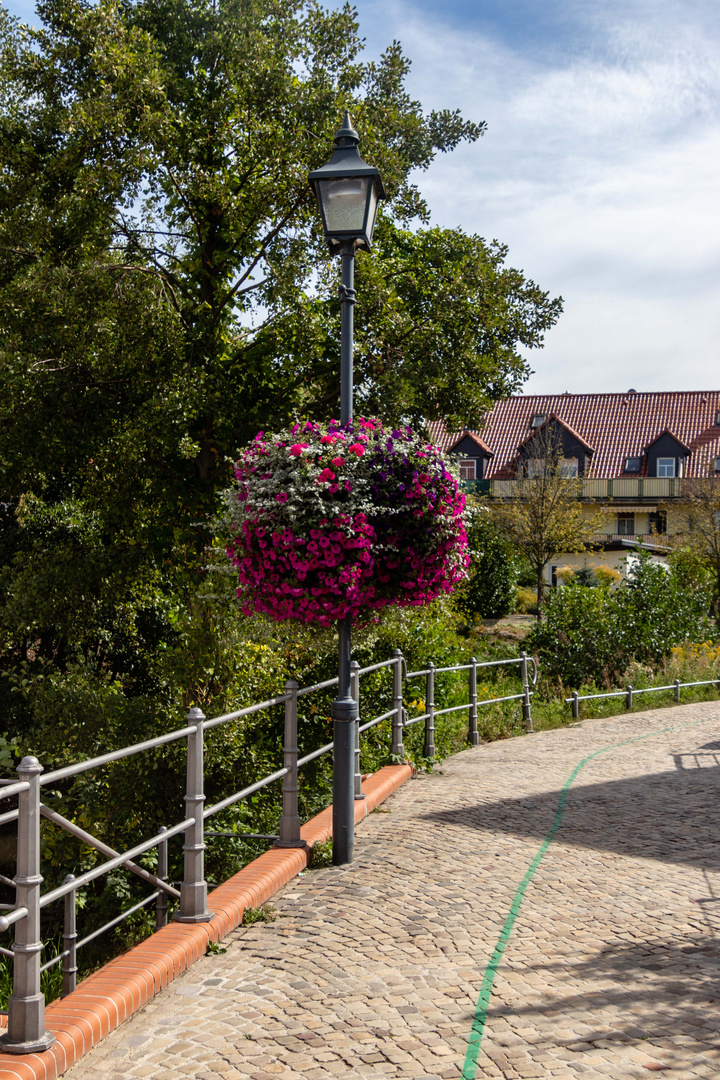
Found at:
(593, 634)
(490, 591)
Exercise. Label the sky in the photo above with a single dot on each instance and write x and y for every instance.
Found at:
(600, 169)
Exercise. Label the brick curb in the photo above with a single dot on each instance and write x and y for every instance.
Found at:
(106, 999)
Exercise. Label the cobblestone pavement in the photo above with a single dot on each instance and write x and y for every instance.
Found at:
(372, 971)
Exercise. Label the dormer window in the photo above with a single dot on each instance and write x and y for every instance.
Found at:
(468, 469)
(717, 418)
(666, 466)
(717, 465)
(538, 420)
(632, 464)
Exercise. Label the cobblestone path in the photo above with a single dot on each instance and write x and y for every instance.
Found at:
(612, 968)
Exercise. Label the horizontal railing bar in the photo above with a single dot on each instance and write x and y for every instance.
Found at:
(9, 781)
(247, 711)
(375, 667)
(105, 868)
(115, 755)
(224, 803)
(92, 841)
(14, 789)
(642, 690)
(494, 700)
(7, 952)
(6, 921)
(315, 754)
(454, 708)
(465, 667)
(7, 880)
(453, 667)
(10, 816)
(377, 720)
(243, 835)
(594, 697)
(7, 907)
(115, 921)
(318, 686)
(650, 689)
(55, 960)
(416, 719)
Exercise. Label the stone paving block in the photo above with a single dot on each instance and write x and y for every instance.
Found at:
(374, 969)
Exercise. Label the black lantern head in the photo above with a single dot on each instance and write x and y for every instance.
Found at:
(348, 191)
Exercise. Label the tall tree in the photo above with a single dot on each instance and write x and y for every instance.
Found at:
(165, 292)
(544, 518)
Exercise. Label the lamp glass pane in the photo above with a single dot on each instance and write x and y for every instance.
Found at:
(372, 211)
(344, 204)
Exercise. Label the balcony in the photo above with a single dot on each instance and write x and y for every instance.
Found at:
(620, 489)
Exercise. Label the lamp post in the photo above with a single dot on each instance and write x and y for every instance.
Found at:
(347, 191)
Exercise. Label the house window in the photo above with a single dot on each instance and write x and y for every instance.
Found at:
(717, 465)
(657, 522)
(538, 420)
(468, 469)
(535, 466)
(632, 464)
(568, 467)
(717, 418)
(626, 524)
(665, 466)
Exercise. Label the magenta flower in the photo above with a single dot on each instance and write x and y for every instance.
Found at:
(281, 497)
(357, 448)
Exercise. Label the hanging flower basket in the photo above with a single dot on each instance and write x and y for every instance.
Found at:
(343, 520)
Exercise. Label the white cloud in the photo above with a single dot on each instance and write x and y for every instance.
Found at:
(601, 170)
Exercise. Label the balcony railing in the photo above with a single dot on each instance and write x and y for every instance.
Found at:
(619, 489)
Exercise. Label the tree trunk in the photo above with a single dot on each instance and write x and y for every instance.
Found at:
(540, 590)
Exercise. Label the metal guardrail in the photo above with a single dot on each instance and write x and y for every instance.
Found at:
(587, 488)
(629, 693)
(26, 1011)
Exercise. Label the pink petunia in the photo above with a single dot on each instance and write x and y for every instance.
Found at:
(357, 448)
(336, 461)
(326, 475)
(281, 498)
(297, 448)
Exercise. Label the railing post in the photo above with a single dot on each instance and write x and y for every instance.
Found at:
(355, 695)
(398, 748)
(290, 820)
(161, 904)
(473, 737)
(69, 964)
(526, 713)
(575, 705)
(193, 891)
(677, 689)
(26, 1032)
(629, 697)
(429, 748)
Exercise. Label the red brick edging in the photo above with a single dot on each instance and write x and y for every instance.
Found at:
(106, 999)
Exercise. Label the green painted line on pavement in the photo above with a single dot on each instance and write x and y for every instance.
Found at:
(486, 988)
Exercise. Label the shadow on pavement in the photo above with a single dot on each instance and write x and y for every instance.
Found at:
(670, 816)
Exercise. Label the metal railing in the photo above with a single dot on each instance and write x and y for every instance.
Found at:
(591, 489)
(630, 693)
(26, 1031)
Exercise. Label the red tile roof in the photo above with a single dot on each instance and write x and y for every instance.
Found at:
(476, 439)
(615, 425)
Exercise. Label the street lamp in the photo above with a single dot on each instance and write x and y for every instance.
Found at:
(347, 190)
